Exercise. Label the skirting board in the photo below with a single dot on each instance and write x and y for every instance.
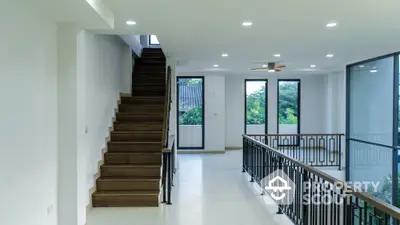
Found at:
(89, 206)
(230, 148)
(201, 151)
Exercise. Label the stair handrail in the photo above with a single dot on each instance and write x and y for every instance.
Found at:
(167, 108)
(168, 152)
(257, 154)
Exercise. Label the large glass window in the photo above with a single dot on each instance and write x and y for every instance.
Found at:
(256, 107)
(370, 124)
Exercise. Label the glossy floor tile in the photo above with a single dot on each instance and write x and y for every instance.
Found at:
(209, 190)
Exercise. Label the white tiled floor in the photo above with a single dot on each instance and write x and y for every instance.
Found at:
(209, 190)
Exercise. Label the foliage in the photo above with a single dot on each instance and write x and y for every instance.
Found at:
(385, 191)
(191, 117)
(290, 117)
(288, 102)
(255, 110)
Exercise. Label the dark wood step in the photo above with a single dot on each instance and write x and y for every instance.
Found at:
(137, 126)
(132, 158)
(143, 100)
(149, 73)
(153, 61)
(149, 117)
(141, 109)
(130, 170)
(146, 50)
(148, 93)
(143, 87)
(128, 183)
(136, 135)
(148, 80)
(118, 146)
(125, 198)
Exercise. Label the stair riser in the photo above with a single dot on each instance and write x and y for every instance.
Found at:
(115, 158)
(130, 172)
(127, 185)
(140, 118)
(141, 109)
(133, 148)
(136, 137)
(125, 201)
(149, 93)
(154, 68)
(137, 127)
(149, 88)
(143, 101)
(148, 81)
(155, 62)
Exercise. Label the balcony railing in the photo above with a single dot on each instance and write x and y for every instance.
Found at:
(322, 150)
(348, 206)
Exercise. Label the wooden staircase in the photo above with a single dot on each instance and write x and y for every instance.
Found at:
(130, 175)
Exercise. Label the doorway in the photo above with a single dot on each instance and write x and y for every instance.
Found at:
(190, 116)
(288, 111)
(256, 103)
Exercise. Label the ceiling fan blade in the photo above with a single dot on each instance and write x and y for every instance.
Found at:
(280, 66)
(263, 68)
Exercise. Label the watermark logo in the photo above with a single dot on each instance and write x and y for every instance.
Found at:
(280, 187)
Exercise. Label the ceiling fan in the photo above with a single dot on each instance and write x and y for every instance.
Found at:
(271, 67)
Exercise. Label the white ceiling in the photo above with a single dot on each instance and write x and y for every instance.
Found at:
(197, 32)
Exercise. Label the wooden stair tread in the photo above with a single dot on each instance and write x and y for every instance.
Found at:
(129, 179)
(131, 165)
(139, 122)
(133, 153)
(142, 114)
(137, 132)
(141, 97)
(118, 193)
(135, 142)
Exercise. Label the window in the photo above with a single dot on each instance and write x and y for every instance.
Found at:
(256, 107)
(288, 106)
(154, 40)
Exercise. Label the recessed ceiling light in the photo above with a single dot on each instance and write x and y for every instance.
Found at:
(224, 55)
(313, 66)
(331, 24)
(277, 55)
(361, 66)
(215, 65)
(265, 66)
(130, 22)
(329, 55)
(247, 23)
(373, 71)
(271, 71)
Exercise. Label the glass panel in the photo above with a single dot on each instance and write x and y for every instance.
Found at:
(288, 107)
(190, 100)
(256, 107)
(371, 163)
(371, 101)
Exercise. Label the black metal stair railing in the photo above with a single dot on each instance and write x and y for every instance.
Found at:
(347, 205)
(168, 145)
(322, 150)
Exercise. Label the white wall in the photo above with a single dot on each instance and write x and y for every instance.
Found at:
(28, 116)
(312, 115)
(335, 102)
